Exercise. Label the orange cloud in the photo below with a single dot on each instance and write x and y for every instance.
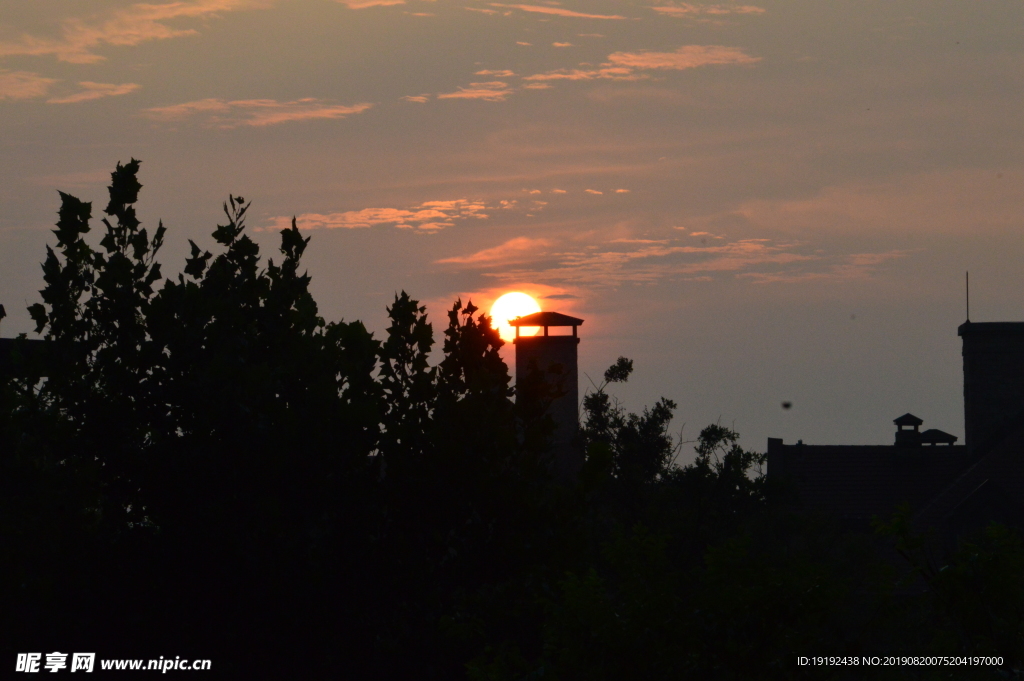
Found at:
(631, 260)
(856, 266)
(654, 262)
(427, 216)
(510, 251)
(494, 91)
(625, 65)
(557, 11)
(417, 98)
(252, 112)
(606, 72)
(363, 4)
(928, 203)
(500, 74)
(686, 57)
(23, 85)
(562, 44)
(125, 27)
(92, 91)
(686, 9)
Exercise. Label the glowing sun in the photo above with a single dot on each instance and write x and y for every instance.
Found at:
(510, 306)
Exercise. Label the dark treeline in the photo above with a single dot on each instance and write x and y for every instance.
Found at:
(211, 470)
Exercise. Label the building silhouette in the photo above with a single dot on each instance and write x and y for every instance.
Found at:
(556, 357)
(954, 489)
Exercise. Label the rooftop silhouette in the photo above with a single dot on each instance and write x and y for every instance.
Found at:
(954, 488)
(546, 319)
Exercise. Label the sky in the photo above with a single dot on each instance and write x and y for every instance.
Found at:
(757, 203)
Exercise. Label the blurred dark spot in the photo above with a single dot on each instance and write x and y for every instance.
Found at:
(787, 405)
(853, 316)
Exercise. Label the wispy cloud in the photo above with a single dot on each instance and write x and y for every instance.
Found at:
(512, 250)
(420, 99)
(363, 4)
(132, 25)
(28, 85)
(606, 72)
(685, 9)
(23, 85)
(428, 216)
(494, 91)
(939, 202)
(686, 57)
(72, 180)
(252, 112)
(504, 73)
(624, 260)
(557, 11)
(92, 91)
(630, 65)
(651, 262)
(562, 44)
(855, 266)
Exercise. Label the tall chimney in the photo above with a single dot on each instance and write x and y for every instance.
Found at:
(993, 379)
(556, 357)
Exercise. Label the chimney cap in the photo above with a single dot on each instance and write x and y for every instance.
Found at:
(990, 328)
(907, 419)
(546, 319)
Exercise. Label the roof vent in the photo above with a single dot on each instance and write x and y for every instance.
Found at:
(907, 433)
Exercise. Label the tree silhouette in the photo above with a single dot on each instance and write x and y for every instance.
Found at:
(208, 466)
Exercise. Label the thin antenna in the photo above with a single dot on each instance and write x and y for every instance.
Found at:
(967, 280)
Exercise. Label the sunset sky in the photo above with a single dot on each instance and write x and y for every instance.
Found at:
(757, 203)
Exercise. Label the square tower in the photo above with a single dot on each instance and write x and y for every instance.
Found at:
(993, 380)
(556, 358)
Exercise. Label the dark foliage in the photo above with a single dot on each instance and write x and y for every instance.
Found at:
(210, 469)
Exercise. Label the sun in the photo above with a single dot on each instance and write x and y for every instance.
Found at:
(510, 306)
